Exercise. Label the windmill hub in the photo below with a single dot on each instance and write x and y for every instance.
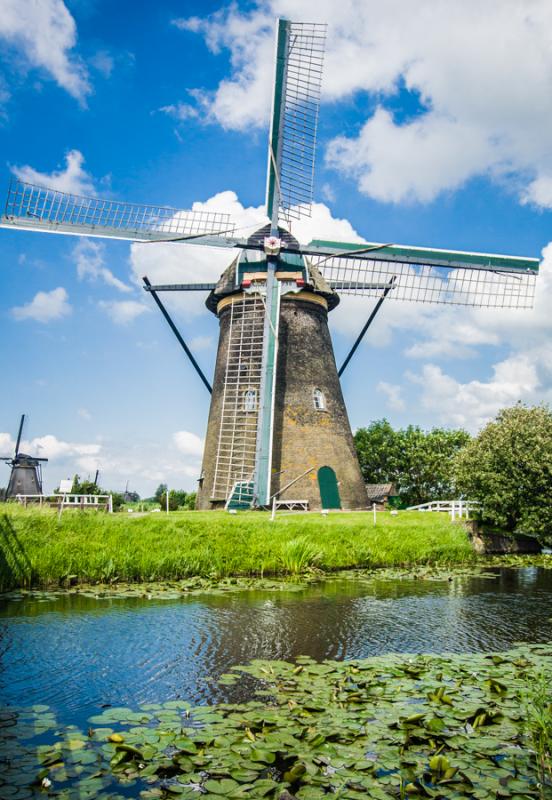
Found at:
(272, 245)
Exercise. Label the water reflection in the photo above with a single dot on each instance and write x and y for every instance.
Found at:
(77, 653)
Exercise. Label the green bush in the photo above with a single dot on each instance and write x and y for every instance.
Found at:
(508, 469)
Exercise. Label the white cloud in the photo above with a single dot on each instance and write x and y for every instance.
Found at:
(122, 312)
(245, 98)
(45, 306)
(480, 71)
(180, 111)
(103, 62)
(90, 261)
(393, 392)
(45, 33)
(188, 443)
(144, 463)
(85, 414)
(415, 161)
(52, 448)
(470, 405)
(181, 263)
(72, 179)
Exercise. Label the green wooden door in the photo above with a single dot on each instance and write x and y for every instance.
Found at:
(329, 491)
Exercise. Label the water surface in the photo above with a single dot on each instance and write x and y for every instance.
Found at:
(77, 653)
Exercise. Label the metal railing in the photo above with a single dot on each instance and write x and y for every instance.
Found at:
(457, 509)
(88, 502)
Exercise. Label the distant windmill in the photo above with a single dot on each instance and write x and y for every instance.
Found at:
(26, 471)
(277, 414)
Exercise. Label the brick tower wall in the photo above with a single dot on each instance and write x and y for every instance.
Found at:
(303, 436)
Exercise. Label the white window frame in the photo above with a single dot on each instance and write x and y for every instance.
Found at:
(250, 400)
(319, 399)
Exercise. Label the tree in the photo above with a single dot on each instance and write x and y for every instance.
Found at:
(508, 469)
(190, 503)
(178, 498)
(161, 489)
(419, 463)
(85, 487)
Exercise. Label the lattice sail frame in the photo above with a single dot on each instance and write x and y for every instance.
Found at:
(425, 283)
(39, 208)
(296, 104)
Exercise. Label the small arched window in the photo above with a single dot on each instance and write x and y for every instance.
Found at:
(250, 400)
(319, 400)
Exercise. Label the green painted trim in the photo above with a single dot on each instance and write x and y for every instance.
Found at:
(263, 465)
(279, 99)
(444, 258)
(287, 262)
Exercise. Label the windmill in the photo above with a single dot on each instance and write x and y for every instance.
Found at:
(278, 425)
(26, 471)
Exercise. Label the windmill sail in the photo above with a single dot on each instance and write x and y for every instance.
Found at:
(38, 208)
(427, 275)
(296, 101)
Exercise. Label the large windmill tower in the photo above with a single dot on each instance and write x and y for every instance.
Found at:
(277, 414)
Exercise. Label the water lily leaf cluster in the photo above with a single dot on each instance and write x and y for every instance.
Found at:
(389, 727)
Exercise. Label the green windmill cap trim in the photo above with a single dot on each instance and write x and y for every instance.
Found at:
(422, 255)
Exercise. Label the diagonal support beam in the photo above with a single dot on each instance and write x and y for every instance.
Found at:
(149, 288)
(369, 321)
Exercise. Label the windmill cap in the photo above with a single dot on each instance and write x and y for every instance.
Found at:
(231, 281)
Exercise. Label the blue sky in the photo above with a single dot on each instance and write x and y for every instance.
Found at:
(433, 131)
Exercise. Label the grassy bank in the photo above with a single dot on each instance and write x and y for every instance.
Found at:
(37, 549)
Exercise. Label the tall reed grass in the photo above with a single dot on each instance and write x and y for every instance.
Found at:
(37, 549)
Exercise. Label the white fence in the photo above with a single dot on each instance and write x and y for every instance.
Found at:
(457, 509)
(85, 502)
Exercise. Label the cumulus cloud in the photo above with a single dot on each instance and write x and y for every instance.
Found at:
(45, 306)
(122, 312)
(144, 464)
(477, 74)
(393, 392)
(45, 33)
(180, 263)
(50, 447)
(89, 258)
(72, 179)
(243, 99)
(188, 443)
(470, 405)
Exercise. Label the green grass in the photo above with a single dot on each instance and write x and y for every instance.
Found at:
(37, 549)
(538, 710)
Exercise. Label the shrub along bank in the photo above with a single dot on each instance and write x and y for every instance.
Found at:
(37, 549)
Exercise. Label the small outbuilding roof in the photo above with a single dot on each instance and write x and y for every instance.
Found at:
(380, 491)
